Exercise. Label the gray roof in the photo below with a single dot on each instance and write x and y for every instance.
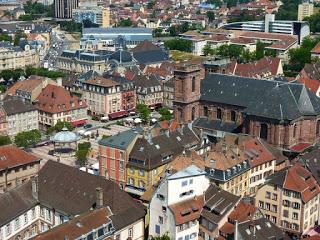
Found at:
(312, 161)
(121, 140)
(259, 97)
(15, 202)
(121, 30)
(15, 105)
(261, 228)
(149, 57)
(210, 124)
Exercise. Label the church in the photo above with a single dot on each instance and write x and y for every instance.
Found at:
(286, 115)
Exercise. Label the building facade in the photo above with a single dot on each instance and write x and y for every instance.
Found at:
(290, 199)
(64, 8)
(97, 15)
(17, 167)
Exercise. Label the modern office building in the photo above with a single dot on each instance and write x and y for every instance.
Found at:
(110, 36)
(98, 15)
(270, 25)
(64, 8)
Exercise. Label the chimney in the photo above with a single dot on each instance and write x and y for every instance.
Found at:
(167, 133)
(59, 81)
(236, 230)
(99, 197)
(34, 188)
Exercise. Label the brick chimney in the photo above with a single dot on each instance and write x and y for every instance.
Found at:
(99, 197)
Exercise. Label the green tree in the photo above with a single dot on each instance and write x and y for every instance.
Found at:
(82, 153)
(19, 34)
(2, 89)
(163, 237)
(144, 112)
(210, 16)
(150, 4)
(125, 23)
(207, 50)
(314, 22)
(59, 126)
(26, 17)
(71, 26)
(298, 57)
(28, 138)
(288, 10)
(165, 114)
(5, 37)
(44, 73)
(5, 140)
(179, 44)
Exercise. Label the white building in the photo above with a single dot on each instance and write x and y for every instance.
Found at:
(177, 203)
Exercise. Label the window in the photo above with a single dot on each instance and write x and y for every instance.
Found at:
(41, 212)
(294, 130)
(268, 206)
(193, 83)
(261, 204)
(296, 205)
(268, 194)
(33, 214)
(141, 172)
(157, 229)
(16, 224)
(264, 131)
(205, 111)
(274, 208)
(160, 220)
(141, 184)
(274, 196)
(48, 215)
(190, 181)
(286, 203)
(130, 232)
(295, 216)
(161, 197)
(219, 113)
(164, 209)
(193, 113)
(285, 213)
(184, 183)
(25, 217)
(233, 116)
(132, 170)
(8, 229)
(121, 165)
(274, 219)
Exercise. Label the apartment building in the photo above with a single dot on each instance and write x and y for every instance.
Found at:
(14, 57)
(20, 115)
(60, 193)
(55, 103)
(96, 14)
(16, 167)
(177, 203)
(150, 156)
(305, 9)
(103, 96)
(114, 155)
(290, 199)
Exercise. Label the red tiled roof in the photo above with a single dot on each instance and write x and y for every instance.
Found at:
(11, 156)
(242, 212)
(301, 180)
(300, 147)
(227, 228)
(55, 99)
(264, 155)
(312, 238)
(316, 49)
(188, 210)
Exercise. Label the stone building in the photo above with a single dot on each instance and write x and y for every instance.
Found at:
(285, 115)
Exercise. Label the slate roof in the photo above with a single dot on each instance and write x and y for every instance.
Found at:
(15, 105)
(264, 229)
(15, 202)
(217, 204)
(149, 152)
(216, 124)
(263, 98)
(147, 53)
(146, 84)
(312, 161)
(121, 56)
(121, 140)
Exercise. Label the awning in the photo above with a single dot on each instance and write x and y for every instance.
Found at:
(79, 122)
(117, 114)
(300, 147)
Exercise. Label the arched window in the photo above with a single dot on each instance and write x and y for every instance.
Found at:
(219, 113)
(179, 114)
(318, 128)
(264, 131)
(193, 84)
(205, 111)
(295, 130)
(233, 116)
(193, 113)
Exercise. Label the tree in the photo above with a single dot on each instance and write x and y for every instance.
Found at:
(165, 114)
(5, 140)
(125, 23)
(82, 153)
(71, 26)
(150, 4)
(19, 34)
(144, 112)
(5, 37)
(288, 10)
(314, 22)
(163, 237)
(210, 16)
(26, 17)
(28, 138)
(59, 126)
(207, 50)
(179, 44)
(44, 73)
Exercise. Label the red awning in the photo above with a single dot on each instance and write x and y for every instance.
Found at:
(79, 122)
(117, 114)
(300, 147)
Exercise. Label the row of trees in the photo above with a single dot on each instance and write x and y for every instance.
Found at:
(18, 35)
(314, 22)
(34, 10)
(175, 30)
(145, 113)
(28, 138)
(17, 73)
(239, 53)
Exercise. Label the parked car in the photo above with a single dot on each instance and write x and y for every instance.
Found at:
(87, 126)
